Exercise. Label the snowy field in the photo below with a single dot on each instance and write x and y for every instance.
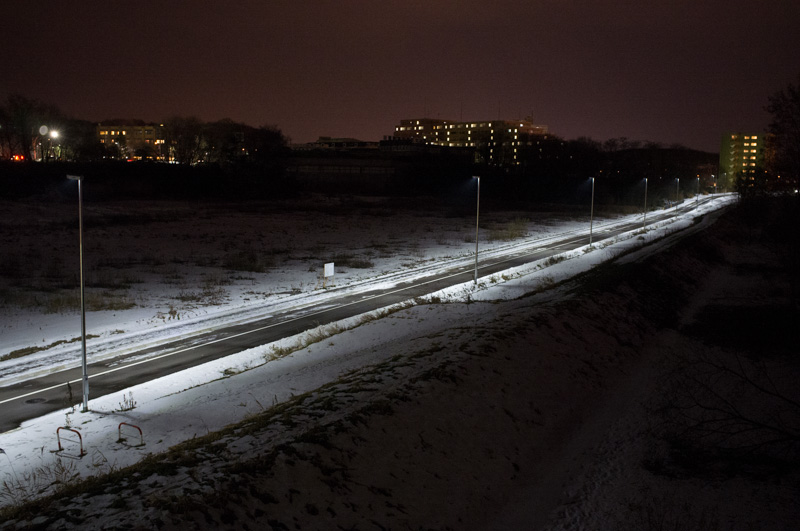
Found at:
(159, 272)
(174, 276)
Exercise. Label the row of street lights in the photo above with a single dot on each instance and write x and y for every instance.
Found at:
(591, 211)
(78, 178)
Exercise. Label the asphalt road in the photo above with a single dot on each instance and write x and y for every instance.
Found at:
(33, 398)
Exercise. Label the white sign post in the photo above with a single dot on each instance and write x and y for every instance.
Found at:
(327, 273)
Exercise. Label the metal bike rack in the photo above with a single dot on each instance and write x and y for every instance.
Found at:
(80, 439)
(141, 436)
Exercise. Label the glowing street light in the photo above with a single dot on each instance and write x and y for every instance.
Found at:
(53, 136)
(83, 298)
(591, 214)
(677, 189)
(477, 224)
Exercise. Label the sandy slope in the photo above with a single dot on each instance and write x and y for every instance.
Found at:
(537, 413)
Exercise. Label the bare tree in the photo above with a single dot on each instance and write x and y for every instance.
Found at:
(784, 106)
(185, 138)
(730, 403)
(22, 119)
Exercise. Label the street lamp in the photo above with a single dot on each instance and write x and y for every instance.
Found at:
(477, 222)
(53, 136)
(697, 200)
(644, 219)
(677, 189)
(591, 214)
(83, 298)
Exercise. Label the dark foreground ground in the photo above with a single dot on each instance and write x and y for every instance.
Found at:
(658, 392)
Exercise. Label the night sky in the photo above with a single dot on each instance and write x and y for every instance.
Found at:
(679, 71)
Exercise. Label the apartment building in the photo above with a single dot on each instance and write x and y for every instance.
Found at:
(134, 139)
(741, 153)
(496, 141)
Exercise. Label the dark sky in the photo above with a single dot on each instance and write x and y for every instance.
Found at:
(673, 71)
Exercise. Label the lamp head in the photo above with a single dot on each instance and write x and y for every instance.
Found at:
(74, 177)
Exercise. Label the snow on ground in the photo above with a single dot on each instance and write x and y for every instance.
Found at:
(206, 398)
(167, 275)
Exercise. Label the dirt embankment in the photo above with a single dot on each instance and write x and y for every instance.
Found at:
(548, 413)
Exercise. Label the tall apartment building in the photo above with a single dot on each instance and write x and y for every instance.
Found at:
(495, 140)
(741, 153)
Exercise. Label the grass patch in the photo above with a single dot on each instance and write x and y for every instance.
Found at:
(247, 260)
(352, 261)
(512, 230)
(61, 302)
(32, 350)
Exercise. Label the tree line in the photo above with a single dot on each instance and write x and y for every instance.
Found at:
(225, 157)
(33, 130)
(217, 159)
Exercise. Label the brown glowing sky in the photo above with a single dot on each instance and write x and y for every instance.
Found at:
(675, 71)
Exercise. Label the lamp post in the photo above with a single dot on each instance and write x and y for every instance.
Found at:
(591, 214)
(697, 196)
(644, 219)
(677, 190)
(53, 136)
(477, 224)
(83, 298)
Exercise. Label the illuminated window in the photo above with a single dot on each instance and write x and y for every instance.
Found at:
(754, 137)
